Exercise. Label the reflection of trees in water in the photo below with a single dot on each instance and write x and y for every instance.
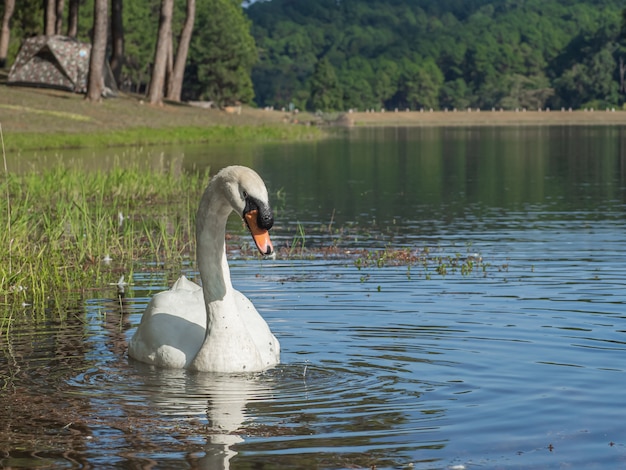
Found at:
(336, 417)
(43, 352)
(38, 357)
(69, 395)
(51, 370)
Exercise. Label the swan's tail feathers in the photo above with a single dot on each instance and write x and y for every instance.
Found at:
(185, 284)
(260, 236)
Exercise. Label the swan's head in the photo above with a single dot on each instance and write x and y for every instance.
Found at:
(247, 194)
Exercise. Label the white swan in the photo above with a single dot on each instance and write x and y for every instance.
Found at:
(213, 328)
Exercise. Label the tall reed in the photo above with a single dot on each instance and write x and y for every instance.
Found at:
(68, 229)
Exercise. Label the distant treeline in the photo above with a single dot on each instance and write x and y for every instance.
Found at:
(335, 55)
(361, 54)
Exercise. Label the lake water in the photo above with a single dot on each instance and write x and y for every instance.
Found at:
(519, 363)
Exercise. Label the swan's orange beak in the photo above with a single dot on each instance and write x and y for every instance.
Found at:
(261, 236)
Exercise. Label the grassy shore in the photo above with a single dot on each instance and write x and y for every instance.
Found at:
(65, 230)
(34, 118)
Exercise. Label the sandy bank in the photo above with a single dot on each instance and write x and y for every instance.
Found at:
(483, 118)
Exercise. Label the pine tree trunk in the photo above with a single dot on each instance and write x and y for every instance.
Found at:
(5, 33)
(170, 63)
(117, 39)
(95, 85)
(176, 80)
(155, 93)
(50, 17)
(58, 24)
(72, 19)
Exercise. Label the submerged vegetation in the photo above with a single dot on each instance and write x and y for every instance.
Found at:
(428, 260)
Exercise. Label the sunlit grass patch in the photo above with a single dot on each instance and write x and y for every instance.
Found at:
(47, 112)
(143, 136)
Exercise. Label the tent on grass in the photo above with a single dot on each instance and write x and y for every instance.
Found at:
(56, 62)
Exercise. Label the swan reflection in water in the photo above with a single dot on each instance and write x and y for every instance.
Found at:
(213, 329)
(175, 395)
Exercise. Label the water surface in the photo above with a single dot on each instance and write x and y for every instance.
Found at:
(516, 364)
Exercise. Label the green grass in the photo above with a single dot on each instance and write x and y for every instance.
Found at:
(57, 114)
(43, 119)
(142, 136)
(60, 226)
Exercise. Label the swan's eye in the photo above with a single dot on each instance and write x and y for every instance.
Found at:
(245, 195)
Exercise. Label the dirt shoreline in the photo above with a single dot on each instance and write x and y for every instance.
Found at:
(47, 111)
(483, 118)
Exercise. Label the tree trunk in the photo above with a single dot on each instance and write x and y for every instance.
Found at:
(95, 85)
(176, 79)
(117, 39)
(72, 19)
(5, 33)
(170, 64)
(155, 93)
(60, 4)
(50, 17)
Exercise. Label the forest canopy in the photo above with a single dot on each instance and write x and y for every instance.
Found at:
(362, 54)
(335, 55)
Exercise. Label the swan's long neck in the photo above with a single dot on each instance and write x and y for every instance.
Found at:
(228, 346)
(210, 245)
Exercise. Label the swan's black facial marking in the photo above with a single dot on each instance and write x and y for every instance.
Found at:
(265, 217)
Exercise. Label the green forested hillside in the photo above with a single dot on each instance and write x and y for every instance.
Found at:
(340, 54)
(362, 54)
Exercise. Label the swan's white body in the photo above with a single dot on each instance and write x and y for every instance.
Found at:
(213, 328)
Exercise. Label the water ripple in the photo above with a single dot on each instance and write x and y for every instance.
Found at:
(380, 366)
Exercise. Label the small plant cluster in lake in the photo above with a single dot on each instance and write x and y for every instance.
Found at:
(347, 243)
(429, 259)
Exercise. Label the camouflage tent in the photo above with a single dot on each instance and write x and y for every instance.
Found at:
(57, 62)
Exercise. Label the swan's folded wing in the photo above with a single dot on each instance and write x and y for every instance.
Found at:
(172, 328)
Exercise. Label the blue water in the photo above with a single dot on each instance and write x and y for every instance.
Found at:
(519, 363)
(521, 368)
